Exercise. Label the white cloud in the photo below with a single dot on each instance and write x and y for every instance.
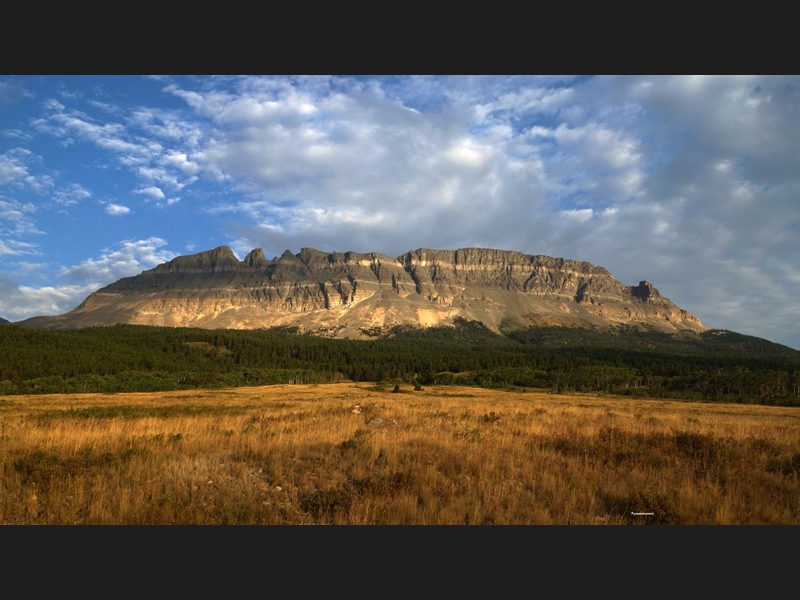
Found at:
(469, 153)
(16, 247)
(30, 270)
(18, 215)
(580, 215)
(129, 259)
(22, 302)
(12, 92)
(151, 191)
(15, 170)
(166, 125)
(106, 107)
(109, 136)
(18, 134)
(5, 249)
(144, 155)
(71, 195)
(354, 158)
(117, 209)
(181, 161)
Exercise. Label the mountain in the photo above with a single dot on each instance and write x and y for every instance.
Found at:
(352, 295)
(2, 320)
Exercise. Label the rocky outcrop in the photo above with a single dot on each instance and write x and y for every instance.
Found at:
(346, 294)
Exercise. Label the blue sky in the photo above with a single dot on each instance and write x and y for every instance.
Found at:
(692, 183)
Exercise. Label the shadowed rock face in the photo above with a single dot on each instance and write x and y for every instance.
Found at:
(343, 294)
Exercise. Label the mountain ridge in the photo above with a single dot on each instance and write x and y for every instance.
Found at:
(351, 294)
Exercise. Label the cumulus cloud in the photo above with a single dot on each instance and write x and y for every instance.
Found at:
(717, 208)
(22, 302)
(131, 258)
(151, 191)
(78, 281)
(117, 209)
(333, 155)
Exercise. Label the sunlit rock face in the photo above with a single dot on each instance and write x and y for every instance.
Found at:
(352, 295)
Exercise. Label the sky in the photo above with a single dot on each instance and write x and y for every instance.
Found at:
(691, 183)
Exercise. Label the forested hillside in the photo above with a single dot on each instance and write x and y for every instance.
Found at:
(714, 365)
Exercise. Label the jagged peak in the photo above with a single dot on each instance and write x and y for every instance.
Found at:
(293, 262)
(219, 258)
(221, 251)
(644, 291)
(308, 255)
(256, 258)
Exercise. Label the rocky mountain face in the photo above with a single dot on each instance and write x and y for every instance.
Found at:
(352, 295)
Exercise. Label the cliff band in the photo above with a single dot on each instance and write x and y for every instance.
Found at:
(354, 295)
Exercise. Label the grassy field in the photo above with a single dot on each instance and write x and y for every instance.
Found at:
(357, 454)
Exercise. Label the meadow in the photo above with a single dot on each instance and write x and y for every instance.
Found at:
(357, 453)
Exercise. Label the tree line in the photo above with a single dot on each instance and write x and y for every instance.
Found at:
(712, 366)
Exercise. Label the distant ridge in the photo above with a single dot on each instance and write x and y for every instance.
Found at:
(353, 295)
(2, 320)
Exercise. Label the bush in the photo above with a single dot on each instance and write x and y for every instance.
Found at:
(490, 418)
(785, 466)
(325, 504)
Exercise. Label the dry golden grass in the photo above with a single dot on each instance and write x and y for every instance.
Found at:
(347, 453)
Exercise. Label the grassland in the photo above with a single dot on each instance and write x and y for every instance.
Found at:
(357, 454)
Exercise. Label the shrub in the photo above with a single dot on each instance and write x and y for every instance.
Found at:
(490, 418)
(785, 466)
(325, 504)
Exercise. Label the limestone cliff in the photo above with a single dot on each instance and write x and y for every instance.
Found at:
(347, 294)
